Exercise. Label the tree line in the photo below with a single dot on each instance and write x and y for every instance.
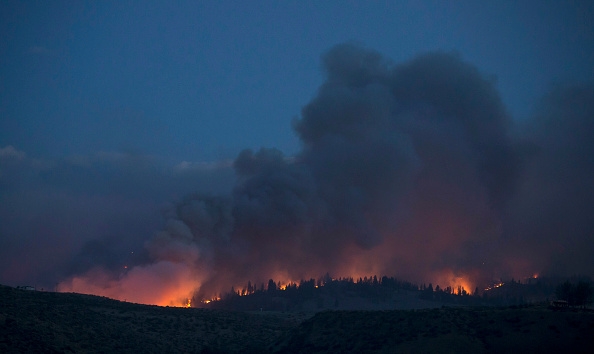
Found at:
(579, 294)
(333, 293)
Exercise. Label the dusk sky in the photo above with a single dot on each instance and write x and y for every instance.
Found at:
(202, 80)
(113, 113)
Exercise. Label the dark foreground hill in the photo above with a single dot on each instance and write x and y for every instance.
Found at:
(33, 321)
(447, 330)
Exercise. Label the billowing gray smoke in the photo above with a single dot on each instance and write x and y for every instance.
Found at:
(413, 170)
(550, 224)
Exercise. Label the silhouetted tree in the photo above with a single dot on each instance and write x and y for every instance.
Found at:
(583, 294)
(271, 285)
(563, 292)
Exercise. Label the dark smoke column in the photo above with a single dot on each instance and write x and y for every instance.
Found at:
(405, 170)
(415, 157)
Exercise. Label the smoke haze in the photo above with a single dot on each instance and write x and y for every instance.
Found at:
(413, 170)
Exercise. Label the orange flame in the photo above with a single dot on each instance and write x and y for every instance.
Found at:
(163, 284)
(458, 282)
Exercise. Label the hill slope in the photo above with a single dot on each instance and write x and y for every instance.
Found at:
(446, 330)
(32, 321)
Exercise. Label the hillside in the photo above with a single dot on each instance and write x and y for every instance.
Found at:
(32, 321)
(447, 330)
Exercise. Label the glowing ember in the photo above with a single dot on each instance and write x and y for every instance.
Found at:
(494, 286)
(208, 301)
(286, 285)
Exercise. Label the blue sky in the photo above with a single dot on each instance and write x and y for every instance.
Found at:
(199, 81)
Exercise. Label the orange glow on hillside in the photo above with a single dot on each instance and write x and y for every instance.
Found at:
(162, 284)
(456, 281)
(175, 284)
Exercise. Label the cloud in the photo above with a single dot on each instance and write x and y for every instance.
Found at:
(9, 152)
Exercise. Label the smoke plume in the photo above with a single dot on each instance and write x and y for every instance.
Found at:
(413, 170)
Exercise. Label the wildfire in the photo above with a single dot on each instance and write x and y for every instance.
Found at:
(458, 283)
(496, 285)
(286, 285)
(162, 284)
(208, 301)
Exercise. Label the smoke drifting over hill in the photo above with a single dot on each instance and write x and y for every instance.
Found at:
(413, 170)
